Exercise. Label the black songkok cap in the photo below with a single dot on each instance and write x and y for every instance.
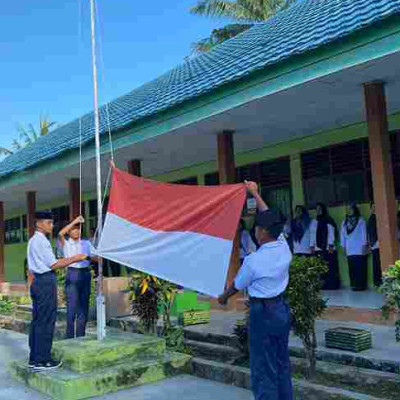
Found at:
(272, 221)
(43, 215)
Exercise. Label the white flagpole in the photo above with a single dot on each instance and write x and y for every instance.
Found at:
(101, 315)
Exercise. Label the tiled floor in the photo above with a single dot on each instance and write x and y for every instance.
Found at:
(347, 298)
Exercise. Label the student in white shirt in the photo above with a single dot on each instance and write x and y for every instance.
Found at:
(78, 279)
(299, 230)
(265, 274)
(323, 234)
(42, 264)
(354, 243)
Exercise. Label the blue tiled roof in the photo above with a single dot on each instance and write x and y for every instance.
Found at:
(306, 25)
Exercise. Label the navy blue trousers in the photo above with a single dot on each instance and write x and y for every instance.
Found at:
(269, 350)
(77, 292)
(44, 314)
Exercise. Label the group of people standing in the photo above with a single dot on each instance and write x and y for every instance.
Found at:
(358, 239)
(320, 236)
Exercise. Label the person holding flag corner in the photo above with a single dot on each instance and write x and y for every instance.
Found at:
(265, 274)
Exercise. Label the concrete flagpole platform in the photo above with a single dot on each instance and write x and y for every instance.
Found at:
(93, 368)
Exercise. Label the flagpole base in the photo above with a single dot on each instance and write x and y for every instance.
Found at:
(101, 317)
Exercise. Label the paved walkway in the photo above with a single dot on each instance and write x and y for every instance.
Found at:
(13, 346)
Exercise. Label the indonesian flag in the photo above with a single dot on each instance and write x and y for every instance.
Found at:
(183, 234)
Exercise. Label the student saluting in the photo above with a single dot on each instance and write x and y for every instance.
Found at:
(78, 279)
(42, 263)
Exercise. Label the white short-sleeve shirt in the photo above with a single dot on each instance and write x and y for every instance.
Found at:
(265, 273)
(40, 254)
(355, 242)
(73, 247)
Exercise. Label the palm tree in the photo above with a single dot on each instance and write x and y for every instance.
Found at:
(245, 13)
(26, 136)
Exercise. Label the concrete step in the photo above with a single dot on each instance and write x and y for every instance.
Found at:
(24, 311)
(69, 385)
(371, 382)
(87, 353)
(322, 354)
(212, 351)
(22, 325)
(208, 337)
(239, 376)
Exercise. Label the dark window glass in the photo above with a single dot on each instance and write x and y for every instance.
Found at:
(337, 174)
(275, 173)
(211, 179)
(249, 172)
(315, 164)
(187, 181)
(13, 230)
(319, 190)
(92, 208)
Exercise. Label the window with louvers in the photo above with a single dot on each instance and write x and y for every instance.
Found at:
(12, 230)
(60, 218)
(273, 177)
(338, 174)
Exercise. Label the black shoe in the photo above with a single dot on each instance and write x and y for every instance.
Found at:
(31, 364)
(47, 366)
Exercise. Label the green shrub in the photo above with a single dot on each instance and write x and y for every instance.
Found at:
(241, 333)
(390, 288)
(306, 302)
(6, 306)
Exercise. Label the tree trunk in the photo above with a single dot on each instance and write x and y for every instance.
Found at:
(310, 344)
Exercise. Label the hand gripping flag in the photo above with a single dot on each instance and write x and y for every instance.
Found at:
(183, 234)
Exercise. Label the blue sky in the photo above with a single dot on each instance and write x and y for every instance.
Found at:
(45, 65)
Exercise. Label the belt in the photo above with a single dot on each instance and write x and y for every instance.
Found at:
(84, 269)
(265, 299)
(37, 275)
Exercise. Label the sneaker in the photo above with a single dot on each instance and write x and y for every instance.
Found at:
(31, 364)
(47, 366)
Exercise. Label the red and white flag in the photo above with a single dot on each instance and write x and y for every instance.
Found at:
(180, 233)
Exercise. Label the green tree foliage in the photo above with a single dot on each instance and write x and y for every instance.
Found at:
(306, 302)
(245, 14)
(391, 290)
(26, 136)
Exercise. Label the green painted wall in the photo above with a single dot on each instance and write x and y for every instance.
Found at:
(15, 255)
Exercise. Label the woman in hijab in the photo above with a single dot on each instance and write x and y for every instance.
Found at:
(299, 231)
(373, 243)
(323, 235)
(354, 243)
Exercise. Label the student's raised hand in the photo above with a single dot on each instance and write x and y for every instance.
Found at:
(79, 220)
(251, 187)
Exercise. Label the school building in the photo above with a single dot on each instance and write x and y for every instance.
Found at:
(307, 104)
